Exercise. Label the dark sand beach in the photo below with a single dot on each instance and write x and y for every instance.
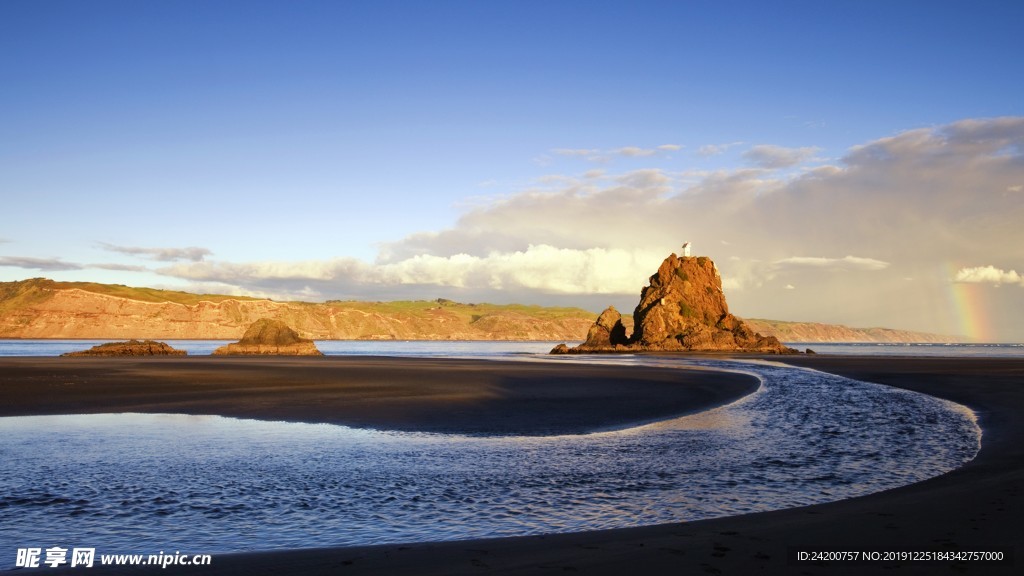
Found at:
(409, 394)
(974, 508)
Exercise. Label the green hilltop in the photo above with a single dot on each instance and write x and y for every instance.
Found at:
(35, 289)
(44, 308)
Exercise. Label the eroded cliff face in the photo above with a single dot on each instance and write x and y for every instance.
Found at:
(817, 332)
(682, 309)
(41, 308)
(77, 313)
(46, 309)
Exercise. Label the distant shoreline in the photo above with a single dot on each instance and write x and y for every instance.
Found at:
(557, 340)
(41, 306)
(2, 338)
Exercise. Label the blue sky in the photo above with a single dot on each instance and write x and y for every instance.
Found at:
(541, 152)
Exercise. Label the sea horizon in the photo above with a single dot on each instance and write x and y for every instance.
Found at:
(42, 347)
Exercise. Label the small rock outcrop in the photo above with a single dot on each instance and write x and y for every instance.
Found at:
(268, 337)
(608, 331)
(130, 348)
(683, 308)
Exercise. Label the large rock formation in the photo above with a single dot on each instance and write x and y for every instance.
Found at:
(682, 309)
(130, 348)
(270, 337)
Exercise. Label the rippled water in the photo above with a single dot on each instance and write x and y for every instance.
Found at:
(140, 483)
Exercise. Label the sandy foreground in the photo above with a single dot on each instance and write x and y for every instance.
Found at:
(410, 394)
(975, 508)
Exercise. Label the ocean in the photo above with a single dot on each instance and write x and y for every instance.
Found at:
(142, 483)
(476, 349)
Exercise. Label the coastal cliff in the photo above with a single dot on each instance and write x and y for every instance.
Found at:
(42, 308)
(683, 308)
(818, 332)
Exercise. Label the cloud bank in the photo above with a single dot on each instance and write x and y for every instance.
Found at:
(845, 263)
(768, 156)
(43, 264)
(988, 275)
(601, 155)
(191, 253)
(864, 237)
(540, 268)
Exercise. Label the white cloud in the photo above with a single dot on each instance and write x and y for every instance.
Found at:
(716, 149)
(599, 155)
(539, 268)
(118, 267)
(988, 275)
(575, 151)
(825, 171)
(633, 151)
(256, 272)
(790, 287)
(59, 265)
(43, 264)
(645, 180)
(845, 263)
(542, 160)
(191, 253)
(773, 157)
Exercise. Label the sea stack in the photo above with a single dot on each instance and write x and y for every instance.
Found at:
(268, 337)
(683, 308)
(130, 348)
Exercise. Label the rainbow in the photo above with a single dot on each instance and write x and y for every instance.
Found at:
(971, 308)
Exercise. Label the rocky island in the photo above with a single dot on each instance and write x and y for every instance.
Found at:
(130, 348)
(682, 309)
(267, 337)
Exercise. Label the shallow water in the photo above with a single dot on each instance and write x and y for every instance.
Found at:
(914, 349)
(141, 483)
(480, 349)
(420, 348)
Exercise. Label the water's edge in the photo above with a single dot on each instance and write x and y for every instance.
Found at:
(228, 485)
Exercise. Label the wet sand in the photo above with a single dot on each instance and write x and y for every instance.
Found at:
(409, 394)
(975, 508)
